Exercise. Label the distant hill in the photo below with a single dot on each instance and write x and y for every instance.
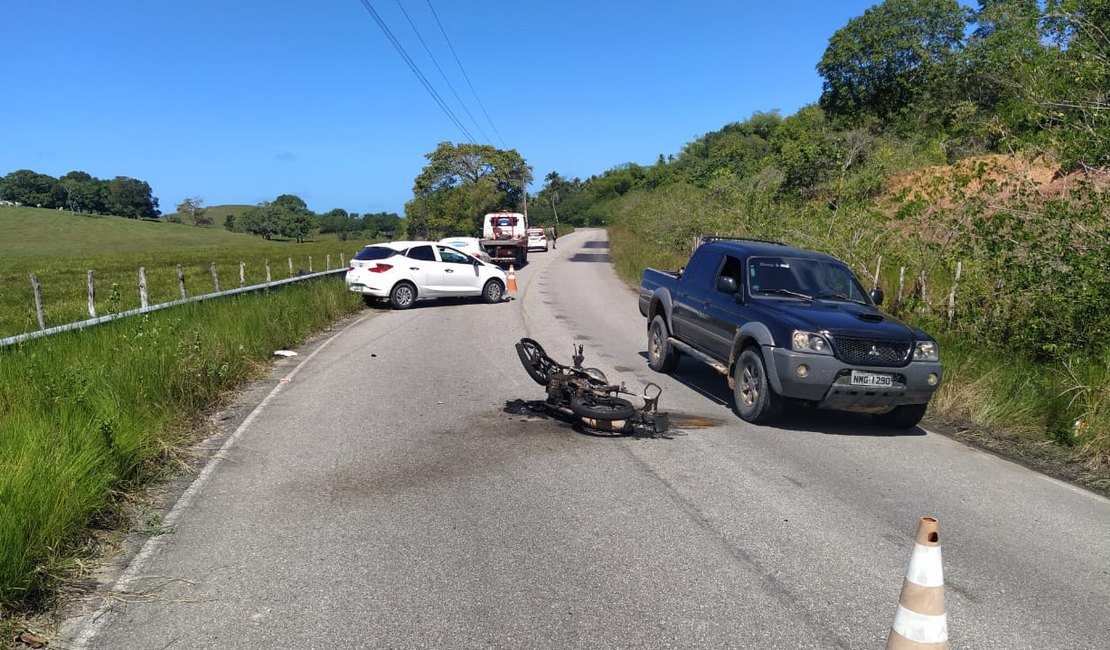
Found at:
(34, 232)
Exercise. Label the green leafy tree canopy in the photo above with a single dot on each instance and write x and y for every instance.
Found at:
(881, 61)
(462, 182)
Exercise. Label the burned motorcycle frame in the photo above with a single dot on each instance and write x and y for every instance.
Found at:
(587, 396)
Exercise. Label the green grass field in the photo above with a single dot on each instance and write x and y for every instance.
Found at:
(60, 248)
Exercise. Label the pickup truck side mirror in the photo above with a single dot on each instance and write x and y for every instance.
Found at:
(727, 284)
(877, 295)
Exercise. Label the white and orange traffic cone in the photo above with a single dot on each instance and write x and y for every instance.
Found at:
(512, 279)
(921, 621)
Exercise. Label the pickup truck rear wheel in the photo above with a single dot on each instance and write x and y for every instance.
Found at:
(755, 401)
(662, 356)
(902, 417)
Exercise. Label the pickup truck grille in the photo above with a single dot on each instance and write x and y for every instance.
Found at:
(871, 352)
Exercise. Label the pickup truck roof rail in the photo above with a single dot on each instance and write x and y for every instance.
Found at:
(708, 238)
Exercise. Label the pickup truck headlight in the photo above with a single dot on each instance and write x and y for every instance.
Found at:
(810, 342)
(926, 351)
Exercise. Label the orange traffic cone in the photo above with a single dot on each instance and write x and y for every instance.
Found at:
(921, 621)
(512, 279)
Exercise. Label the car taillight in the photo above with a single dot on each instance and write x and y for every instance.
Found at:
(380, 268)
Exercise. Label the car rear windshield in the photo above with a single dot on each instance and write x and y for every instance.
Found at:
(375, 253)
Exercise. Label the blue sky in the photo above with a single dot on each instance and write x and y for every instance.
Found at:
(240, 101)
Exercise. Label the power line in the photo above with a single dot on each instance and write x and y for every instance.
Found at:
(465, 76)
(441, 72)
(416, 70)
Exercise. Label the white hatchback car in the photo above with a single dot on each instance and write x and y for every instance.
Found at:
(406, 271)
(536, 239)
(470, 245)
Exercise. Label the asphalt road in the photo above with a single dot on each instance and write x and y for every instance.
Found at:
(383, 492)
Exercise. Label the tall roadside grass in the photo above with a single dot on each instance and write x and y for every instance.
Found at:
(84, 415)
(1015, 396)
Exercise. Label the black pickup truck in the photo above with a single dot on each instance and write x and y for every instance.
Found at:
(788, 326)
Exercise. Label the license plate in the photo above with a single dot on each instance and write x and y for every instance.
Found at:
(860, 378)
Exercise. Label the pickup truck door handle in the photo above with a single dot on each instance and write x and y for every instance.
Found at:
(414, 268)
(449, 270)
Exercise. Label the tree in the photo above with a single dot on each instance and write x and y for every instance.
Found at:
(1003, 56)
(462, 182)
(131, 198)
(260, 220)
(84, 193)
(193, 212)
(1075, 94)
(32, 189)
(294, 219)
(881, 61)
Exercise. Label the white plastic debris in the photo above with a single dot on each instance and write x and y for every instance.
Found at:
(285, 353)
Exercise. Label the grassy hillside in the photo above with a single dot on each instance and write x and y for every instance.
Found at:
(39, 233)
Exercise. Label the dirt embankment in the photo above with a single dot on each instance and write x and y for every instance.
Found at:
(998, 174)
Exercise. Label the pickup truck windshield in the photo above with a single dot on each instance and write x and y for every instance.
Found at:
(804, 278)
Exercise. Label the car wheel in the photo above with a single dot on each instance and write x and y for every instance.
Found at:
(613, 408)
(902, 417)
(402, 296)
(493, 291)
(755, 401)
(662, 356)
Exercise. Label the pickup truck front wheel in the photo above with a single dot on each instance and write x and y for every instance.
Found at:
(755, 401)
(662, 356)
(902, 417)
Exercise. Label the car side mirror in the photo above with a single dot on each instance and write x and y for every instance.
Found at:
(727, 284)
(877, 295)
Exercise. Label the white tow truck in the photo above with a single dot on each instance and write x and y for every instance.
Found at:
(504, 237)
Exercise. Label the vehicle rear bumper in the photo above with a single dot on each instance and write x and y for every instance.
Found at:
(826, 381)
(367, 290)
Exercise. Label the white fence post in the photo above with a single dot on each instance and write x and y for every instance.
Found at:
(290, 267)
(181, 281)
(267, 271)
(242, 274)
(92, 294)
(144, 297)
(952, 293)
(328, 266)
(38, 301)
(215, 278)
